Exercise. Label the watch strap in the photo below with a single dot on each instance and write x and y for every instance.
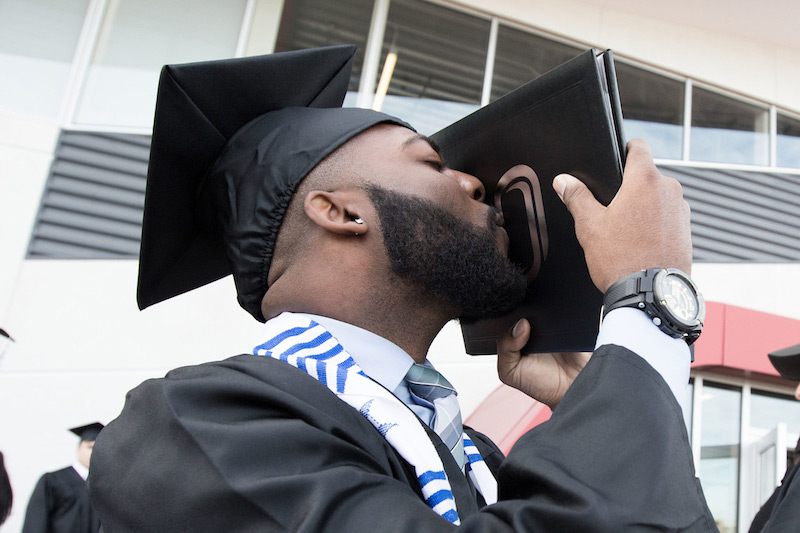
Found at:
(629, 291)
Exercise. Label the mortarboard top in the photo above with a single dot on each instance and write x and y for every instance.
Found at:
(787, 362)
(231, 141)
(89, 431)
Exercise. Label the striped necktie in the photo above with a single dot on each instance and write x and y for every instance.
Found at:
(429, 388)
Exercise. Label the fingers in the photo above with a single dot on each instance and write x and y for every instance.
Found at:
(639, 167)
(639, 161)
(510, 343)
(575, 195)
(509, 352)
(646, 225)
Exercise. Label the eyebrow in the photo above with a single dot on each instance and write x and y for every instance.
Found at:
(422, 138)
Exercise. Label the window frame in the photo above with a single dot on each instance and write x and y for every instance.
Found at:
(95, 15)
(748, 435)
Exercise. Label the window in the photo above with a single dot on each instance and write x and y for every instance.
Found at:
(137, 39)
(37, 43)
(436, 60)
(521, 57)
(726, 130)
(767, 410)
(652, 109)
(719, 453)
(788, 142)
(313, 23)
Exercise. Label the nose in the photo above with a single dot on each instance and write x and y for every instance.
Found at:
(471, 185)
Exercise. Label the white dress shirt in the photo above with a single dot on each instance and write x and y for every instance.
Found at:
(626, 327)
(81, 470)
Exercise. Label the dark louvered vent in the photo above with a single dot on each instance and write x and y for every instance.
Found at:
(741, 216)
(92, 205)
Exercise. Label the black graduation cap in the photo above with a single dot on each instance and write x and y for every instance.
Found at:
(231, 141)
(787, 362)
(89, 431)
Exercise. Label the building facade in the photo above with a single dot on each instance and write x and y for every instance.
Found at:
(710, 85)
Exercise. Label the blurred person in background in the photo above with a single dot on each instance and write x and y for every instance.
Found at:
(781, 512)
(6, 495)
(60, 500)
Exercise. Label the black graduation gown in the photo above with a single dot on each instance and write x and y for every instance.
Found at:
(60, 504)
(254, 444)
(781, 513)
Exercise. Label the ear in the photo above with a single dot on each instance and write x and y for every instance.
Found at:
(337, 211)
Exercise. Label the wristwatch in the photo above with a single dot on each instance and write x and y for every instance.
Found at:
(668, 296)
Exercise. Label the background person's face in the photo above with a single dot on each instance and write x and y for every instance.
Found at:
(85, 452)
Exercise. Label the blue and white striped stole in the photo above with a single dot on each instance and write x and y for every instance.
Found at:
(308, 346)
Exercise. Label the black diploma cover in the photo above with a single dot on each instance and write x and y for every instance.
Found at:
(568, 120)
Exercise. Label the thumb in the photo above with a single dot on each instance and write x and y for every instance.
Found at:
(574, 193)
(509, 347)
(512, 341)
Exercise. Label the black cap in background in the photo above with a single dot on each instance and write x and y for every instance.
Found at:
(787, 362)
(89, 431)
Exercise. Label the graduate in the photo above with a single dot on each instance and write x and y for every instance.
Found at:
(6, 493)
(354, 242)
(781, 512)
(60, 500)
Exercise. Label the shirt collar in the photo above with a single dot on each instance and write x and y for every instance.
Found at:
(81, 470)
(380, 359)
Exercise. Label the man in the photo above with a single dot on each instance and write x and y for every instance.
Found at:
(6, 494)
(349, 235)
(60, 500)
(781, 511)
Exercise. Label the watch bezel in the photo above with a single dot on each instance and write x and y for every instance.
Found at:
(659, 280)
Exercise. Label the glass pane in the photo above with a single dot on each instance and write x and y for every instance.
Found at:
(652, 107)
(767, 410)
(440, 62)
(767, 474)
(521, 56)
(313, 23)
(788, 142)
(137, 39)
(719, 452)
(727, 130)
(37, 43)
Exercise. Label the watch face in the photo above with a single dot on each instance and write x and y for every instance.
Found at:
(678, 297)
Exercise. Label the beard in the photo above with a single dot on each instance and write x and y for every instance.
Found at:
(447, 257)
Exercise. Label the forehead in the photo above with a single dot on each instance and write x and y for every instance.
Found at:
(383, 154)
(392, 137)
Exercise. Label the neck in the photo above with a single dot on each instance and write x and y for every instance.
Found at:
(412, 335)
(406, 321)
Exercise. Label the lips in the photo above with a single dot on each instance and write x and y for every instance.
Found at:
(496, 218)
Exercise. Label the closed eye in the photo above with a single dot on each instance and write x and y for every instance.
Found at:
(437, 165)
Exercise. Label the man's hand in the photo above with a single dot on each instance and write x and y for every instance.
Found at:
(542, 376)
(645, 226)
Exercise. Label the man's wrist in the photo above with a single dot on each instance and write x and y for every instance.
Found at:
(667, 295)
(632, 329)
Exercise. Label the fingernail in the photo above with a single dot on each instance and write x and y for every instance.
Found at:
(515, 331)
(559, 184)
